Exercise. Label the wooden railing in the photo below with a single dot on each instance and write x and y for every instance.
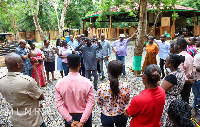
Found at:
(112, 33)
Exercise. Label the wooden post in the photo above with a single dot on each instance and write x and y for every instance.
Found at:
(91, 32)
(91, 22)
(173, 22)
(117, 33)
(110, 21)
(194, 24)
(125, 31)
(84, 22)
(110, 31)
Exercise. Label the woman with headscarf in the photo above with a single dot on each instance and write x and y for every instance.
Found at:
(152, 51)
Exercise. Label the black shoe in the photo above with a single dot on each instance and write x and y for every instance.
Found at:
(103, 77)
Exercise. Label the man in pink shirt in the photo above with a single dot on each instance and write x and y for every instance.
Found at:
(180, 48)
(74, 96)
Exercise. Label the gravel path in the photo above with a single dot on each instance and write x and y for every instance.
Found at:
(51, 116)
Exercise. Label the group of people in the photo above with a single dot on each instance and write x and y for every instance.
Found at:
(163, 102)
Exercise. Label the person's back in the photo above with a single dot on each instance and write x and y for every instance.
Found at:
(150, 103)
(74, 87)
(74, 95)
(113, 97)
(22, 93)
(18, 94)
(147, 107)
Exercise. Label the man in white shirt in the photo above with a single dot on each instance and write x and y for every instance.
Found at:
(163, 52)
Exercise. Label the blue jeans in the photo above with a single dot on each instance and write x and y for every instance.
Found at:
(122, 59)
(108, 121)
(196, 92)
(77, 118)
(65, 68)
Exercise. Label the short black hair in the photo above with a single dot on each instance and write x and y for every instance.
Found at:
(57, 42)
(194, 39)
(176, 60)
(64, 42)
(172, 43)
(182, 42)
(87, 39)
(73, 61)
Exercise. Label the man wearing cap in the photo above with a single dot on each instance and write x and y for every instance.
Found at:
(121, 49)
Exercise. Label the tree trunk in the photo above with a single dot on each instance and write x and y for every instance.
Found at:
(35, 18)
(61, 21)
(155, 22)
(61, 26)
(141, 35)
(1, 30)
(142, 26)
(14, 25)
(54, 5)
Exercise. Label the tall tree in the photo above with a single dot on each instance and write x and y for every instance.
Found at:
(63, 14)
(9, 11)
(35, 17)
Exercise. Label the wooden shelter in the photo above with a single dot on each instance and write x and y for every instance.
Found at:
(165, 23)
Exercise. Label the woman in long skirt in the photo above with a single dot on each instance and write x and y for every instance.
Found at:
(152, 51)
(38, 68)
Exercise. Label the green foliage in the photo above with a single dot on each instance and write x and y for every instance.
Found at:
(122, 9)
(193, 4)
(175, 15)
(22, 14)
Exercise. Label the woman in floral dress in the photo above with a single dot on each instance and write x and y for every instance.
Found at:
(172, 84)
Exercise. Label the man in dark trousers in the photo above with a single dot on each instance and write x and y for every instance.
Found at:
(89, 58)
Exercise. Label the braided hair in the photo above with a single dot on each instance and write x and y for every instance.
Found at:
(180, 112)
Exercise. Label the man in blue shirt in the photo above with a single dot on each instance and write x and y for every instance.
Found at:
(104, 54)
(163, 52)
(72, 42)
(24, 54)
